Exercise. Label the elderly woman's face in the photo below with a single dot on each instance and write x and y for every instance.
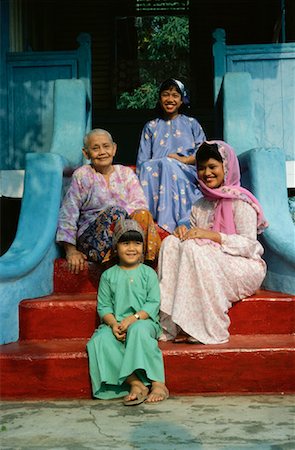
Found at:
(100, 151)
(211, 173)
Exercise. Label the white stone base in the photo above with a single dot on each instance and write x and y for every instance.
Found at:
(12, 183)
(290, 172)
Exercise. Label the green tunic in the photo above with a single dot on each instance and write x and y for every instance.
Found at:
(122, 293)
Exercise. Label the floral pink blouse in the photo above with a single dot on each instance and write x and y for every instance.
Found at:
(89, 194)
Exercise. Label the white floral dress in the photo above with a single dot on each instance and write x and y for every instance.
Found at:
(199, 280)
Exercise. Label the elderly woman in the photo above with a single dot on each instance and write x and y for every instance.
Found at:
(100, 193)
(166, 157)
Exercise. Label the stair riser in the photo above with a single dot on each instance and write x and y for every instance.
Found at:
(85, 281)
(65, 320)
(263, 317)
(232, 372)
(58, 322)
(50, 378)
(237, 372)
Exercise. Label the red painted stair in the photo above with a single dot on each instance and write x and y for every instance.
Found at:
(50, 361)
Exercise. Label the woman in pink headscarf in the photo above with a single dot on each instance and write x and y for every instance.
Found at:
(217, 261)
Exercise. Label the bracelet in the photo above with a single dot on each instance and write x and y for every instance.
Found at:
(137, 317)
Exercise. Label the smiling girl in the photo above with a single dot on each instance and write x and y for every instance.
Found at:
(217, 261)
(124, 357)
(166, 157)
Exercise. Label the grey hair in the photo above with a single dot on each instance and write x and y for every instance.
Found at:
(98, 131)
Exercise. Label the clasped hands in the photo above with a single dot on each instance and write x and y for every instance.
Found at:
(120, 329)
(183, 233)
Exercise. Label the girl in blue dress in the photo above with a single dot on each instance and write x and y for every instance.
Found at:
(166, 158)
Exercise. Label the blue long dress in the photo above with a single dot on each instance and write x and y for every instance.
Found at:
(169, 185)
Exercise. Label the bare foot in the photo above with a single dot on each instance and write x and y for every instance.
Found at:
(159, 392)
(181, 337)
(138, 391)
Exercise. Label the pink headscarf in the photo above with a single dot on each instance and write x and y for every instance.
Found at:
(230, 190)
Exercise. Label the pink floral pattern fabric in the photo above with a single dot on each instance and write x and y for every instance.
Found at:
(89, 194)
(200, 281)
(229, 191)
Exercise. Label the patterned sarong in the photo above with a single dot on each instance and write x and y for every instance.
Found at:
(96, 241)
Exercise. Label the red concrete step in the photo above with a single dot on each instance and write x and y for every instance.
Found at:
(58, 316)
(58, 369)
(85, 281)
(266, 312)
(44, 369)
(65, 316)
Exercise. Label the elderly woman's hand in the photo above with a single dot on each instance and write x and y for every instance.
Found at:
(76, 260)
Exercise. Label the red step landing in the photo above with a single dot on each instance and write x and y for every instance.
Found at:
(58, 369)
(50, 360)
(75, 316)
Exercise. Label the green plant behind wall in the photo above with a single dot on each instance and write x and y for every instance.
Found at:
(163, 51)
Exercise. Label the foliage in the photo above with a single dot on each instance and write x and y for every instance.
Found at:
(169, 39)
(163, 51)
(144, 97)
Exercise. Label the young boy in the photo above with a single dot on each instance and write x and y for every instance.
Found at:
(124, 357)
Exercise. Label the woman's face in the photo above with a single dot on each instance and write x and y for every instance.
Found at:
(101, 151)
(170, 101)
(211, 173)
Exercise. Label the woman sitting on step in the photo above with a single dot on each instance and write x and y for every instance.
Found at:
(166, 157)
(217, 261)
(100, 193)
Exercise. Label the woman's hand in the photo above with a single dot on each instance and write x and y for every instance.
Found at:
(184, 159)
(76, 260)
(180, 232)
(201, 233)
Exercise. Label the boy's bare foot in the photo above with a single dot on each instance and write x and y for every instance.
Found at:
(159, 392)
